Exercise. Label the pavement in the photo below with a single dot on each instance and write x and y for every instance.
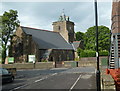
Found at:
(81, 78)
(107, 82)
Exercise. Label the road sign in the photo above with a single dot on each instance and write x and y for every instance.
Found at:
(31, 58)
(10, 59)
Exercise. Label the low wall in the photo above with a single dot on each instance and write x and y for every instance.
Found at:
(91, 58)
(38, 65)
(87, 63)
(44, 65)
(19, 65)
(70, 64)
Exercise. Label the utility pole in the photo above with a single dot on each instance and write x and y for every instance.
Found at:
(97, 52)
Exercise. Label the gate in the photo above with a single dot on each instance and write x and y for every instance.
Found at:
(58, 64)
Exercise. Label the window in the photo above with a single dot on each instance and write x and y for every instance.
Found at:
(4, 71)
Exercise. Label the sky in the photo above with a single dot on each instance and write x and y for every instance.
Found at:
(42, 14)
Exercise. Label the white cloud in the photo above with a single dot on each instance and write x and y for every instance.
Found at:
(57, 0)
(41, 15)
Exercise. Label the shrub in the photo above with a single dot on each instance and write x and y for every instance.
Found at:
(91, 53)
(103, 53)
(44, 60)
(79, 50)
(76, 59)
(83, 54)
(88, 53)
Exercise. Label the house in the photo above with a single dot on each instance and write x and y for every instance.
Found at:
(56, 45)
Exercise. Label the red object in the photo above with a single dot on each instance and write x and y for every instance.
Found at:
(115, 73)
(107, 71)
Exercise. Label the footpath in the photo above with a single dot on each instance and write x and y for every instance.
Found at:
(107, 82)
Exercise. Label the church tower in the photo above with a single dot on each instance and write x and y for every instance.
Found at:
(65, 27)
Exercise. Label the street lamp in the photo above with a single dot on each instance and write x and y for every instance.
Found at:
(97, 52)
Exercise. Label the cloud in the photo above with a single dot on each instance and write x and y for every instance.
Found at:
(42, 14)
(105, 14)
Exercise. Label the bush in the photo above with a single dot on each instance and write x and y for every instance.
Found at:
(79, 50)
(44, 60)
(91, 53)
(83, 54)
(76, 59)
(103, 53)
(88, 53)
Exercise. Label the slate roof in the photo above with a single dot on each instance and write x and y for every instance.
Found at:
(47, 39)
(76, 44)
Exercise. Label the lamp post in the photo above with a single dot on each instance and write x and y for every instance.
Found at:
(97, 52)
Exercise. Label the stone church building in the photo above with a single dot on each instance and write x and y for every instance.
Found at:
(56, 45)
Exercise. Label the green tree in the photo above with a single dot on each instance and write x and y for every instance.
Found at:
(79, 36)
(9, 25)
(103, 38)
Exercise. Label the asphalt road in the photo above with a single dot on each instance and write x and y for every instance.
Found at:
(57, 78)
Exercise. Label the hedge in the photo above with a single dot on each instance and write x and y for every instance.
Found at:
(103, 53)
(91, 53)
(88, 53)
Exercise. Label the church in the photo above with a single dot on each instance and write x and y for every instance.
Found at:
(56, 45)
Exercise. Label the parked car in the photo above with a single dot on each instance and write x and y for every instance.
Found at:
(6, 75)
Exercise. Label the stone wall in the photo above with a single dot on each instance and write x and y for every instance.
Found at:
(44, 65)
(62, 55)
(38, 65)
(48, 65)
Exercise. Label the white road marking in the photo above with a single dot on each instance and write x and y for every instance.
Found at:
(46, 77)
(34, 82)
(54, 74)
(75, 82)
(39, 80)
(18, 87)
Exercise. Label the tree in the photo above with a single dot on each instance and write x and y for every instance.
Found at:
(103, 38)
(79, 36)
(9, 25)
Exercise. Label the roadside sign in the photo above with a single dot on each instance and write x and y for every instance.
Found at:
(10, 59)
(31, 58)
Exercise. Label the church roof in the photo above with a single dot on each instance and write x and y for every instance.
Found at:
(47, 39)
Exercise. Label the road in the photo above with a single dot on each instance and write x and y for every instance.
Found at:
(57, 78)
